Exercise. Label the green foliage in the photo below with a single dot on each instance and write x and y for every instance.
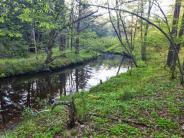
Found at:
(18, 18)
(164, 123)
(124, 130)
(156, 39)
(27, 113)
(45, 124)
(127, 95)
(104, 44)
(141, 104)
(147, 99)
(32, 63)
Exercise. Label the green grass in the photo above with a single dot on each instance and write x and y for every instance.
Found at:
(141, 103)
(31, 64)
(43, 125)
(146, 97)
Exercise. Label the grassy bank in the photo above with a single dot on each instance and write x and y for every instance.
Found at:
(144, 102)
(33, 63)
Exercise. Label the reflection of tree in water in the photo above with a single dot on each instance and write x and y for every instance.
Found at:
(73, 80)
(84, 76)
(63, 82)
(17, 93)
(15, 96)
(106, 61)
(2, 108)
(10, 103)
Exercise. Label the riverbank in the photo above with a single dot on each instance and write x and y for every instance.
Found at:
(140, 103)
(34, 64)
(37, 91)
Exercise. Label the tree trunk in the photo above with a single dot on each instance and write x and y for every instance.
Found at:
(77, 42)
(72, 25)
(144, 45)
(62, 42)
(172, 54)
(49, 48)
(178, 46)
(181, 32)
(34, 38)
(142, 41)
(127, 48)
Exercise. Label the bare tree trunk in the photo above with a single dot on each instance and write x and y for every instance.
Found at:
(144, 46)
(34, 39)
(50, 44)
(68, 40)
(71, 39)
(62, 42)
(178, 46)
(127, 48)
(142, 41)
(77, 42)
(131, 32)
(125, 33)
(72, 25)
(33, 31)
(172, 54)
(118, 21)
(134, 32)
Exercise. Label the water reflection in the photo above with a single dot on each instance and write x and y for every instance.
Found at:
(20, 92)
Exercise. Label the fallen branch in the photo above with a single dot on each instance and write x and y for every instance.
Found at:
(122, 120)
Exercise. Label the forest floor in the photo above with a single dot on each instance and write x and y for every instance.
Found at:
(143, 102)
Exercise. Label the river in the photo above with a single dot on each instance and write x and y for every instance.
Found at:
(35, 91)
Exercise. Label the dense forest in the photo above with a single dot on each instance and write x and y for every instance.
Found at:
(91, 68)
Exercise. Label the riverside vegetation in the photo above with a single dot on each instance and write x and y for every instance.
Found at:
(33, 63)
(147, 101)
(139, 103)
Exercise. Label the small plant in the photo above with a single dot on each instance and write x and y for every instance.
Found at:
(28, 113)
(124, 129)
(166, 123)
(127, 95)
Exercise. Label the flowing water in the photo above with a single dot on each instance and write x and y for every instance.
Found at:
(32, 91)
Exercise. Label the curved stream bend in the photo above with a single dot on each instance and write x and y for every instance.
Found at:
(20, 92)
